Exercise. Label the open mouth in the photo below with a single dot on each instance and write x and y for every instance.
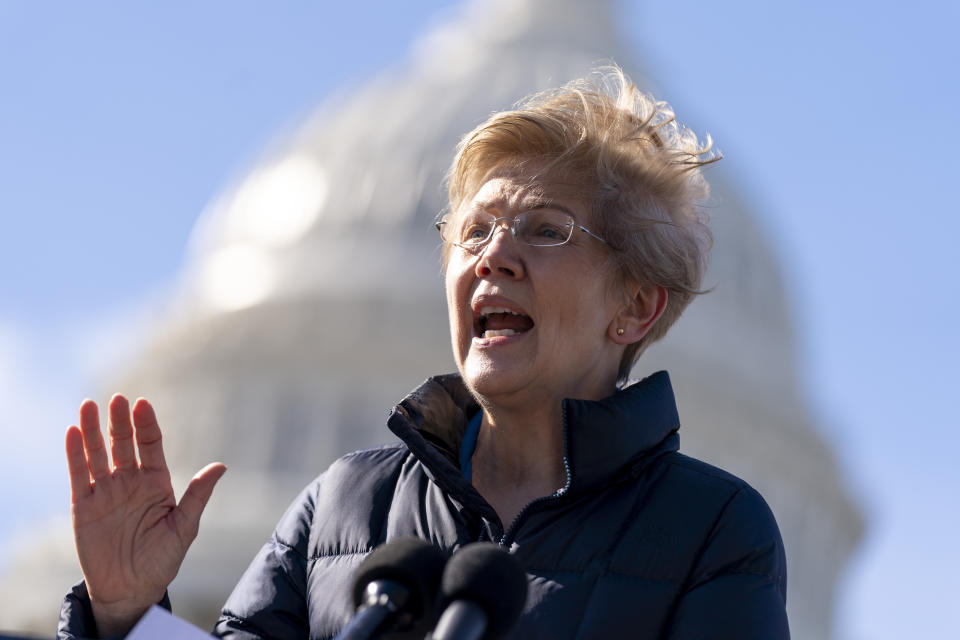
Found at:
(491, 322)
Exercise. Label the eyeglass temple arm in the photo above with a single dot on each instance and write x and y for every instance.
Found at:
(583, 228)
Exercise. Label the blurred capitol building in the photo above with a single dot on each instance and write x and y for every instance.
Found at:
(312, 302)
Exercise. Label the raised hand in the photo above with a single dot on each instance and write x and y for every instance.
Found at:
(131, 534)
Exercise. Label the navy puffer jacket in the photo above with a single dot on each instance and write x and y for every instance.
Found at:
(642, 542)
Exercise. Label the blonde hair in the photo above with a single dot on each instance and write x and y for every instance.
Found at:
(633, 163)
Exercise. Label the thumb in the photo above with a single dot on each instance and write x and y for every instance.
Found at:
(198, 492)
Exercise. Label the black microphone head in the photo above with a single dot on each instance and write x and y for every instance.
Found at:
(411, 562)
(488, 576)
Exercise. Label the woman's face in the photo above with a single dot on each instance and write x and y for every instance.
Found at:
(532, 323)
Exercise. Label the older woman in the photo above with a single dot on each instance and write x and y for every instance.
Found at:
(573, 240)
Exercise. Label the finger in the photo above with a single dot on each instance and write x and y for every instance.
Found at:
(121, 434)
(149, 438)
(198, 492)
(77, 465)
(93, 445)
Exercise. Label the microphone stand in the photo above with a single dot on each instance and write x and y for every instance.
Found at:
(383, 599)
(463, 620)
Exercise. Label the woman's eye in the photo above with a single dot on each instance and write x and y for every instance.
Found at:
(545, 227)
(475, 232)
(549, 232)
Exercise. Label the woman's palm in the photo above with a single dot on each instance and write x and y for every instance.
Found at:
(131, 534)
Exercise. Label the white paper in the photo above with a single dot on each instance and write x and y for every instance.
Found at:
(159, 624)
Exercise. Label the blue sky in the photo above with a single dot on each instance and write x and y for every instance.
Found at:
(120, 122)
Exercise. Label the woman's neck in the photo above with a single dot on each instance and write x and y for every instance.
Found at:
(519, 457)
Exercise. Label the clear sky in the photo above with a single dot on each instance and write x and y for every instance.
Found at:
(120, 121)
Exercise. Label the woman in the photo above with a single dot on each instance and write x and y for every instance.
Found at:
(573, 241)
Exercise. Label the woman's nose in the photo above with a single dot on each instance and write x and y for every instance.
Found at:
(502, 254)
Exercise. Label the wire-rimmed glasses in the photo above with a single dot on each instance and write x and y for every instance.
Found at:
(537, 228)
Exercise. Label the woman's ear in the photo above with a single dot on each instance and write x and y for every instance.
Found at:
(639, 314)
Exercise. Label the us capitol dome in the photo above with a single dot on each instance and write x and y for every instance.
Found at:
(311, 302)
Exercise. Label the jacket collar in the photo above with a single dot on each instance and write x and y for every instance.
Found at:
(604, 436)
(601, 437)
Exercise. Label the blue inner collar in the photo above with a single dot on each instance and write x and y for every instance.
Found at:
(469, 445)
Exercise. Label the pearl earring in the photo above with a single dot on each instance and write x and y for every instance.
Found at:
(619, 331)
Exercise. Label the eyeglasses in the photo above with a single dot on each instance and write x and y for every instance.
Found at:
(537, 228)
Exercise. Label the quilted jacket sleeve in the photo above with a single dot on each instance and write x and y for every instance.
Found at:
(270, 601)
(738, 587)
(76, 616)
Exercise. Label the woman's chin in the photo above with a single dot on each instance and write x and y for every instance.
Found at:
(490, 379)
(500, 364)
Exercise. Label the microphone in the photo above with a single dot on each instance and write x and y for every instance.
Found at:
(486, 589)
(394, 587)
